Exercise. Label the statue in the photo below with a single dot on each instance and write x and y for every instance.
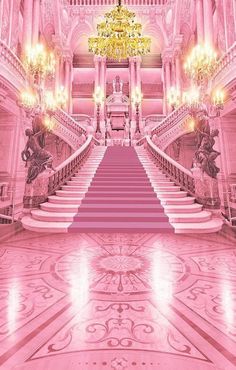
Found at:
(117, 85)
(39, 158)
(38, 126)
(205, 156)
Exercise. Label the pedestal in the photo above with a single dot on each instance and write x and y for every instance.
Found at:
(206, 189)
(37, 192)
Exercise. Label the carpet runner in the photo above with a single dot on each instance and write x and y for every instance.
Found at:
(121, 198)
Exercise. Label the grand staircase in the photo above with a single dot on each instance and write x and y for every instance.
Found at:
(119, 190)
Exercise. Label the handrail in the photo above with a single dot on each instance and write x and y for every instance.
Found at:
(180, 175)
(225, 60)
(13, 62)
(170, 121)
(113, 2)
(68, 168)
(81, 118)
(62, 116)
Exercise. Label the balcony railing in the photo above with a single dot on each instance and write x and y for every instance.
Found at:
(114, 2)
(227, 60)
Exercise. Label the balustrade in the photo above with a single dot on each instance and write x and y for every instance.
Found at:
(12, 62)
(82, 118)
(66, 120)
(114, 2)
(180, 175)
(225, 61)
(69, 167)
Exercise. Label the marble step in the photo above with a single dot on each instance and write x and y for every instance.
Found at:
(171, 194)
(177, 201)
(185, 208)
(211, 226)
(65, 200)
(98, 216)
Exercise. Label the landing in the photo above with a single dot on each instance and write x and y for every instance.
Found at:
(117, 302)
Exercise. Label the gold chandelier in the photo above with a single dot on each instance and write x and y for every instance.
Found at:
(119, 36)
(201, 63)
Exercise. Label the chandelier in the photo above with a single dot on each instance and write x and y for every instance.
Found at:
(40, 65)
(201, 63)
(119, 36)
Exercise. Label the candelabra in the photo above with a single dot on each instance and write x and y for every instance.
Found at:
(98, 98)
(40, 65)
(137, 100)
(202, 104)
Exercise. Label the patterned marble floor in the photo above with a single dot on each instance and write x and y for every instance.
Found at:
(117, 302)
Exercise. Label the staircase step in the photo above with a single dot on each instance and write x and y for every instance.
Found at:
(185, 208)
(177, 201)
(121, 207)
(153, 227)
(114, 201)
(211, 226)
(70, 193)
(41, 215)
(62, 208)
(171, 194)
(65, 200)
(164, 188)
(97, 216)
(202, 216)
(118, 194)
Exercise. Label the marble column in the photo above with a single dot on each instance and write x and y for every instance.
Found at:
(208, 21)
(103, 84)
(167, 83)
(225, 24)
(58, 72)
(36, 19)
(234, 10)
(96, 79)
(138, 82)
(178, 70)
(27, 23)
(200, 21)
(11, 10)
(68, 80)
(173, 73)
(131, 85)
(1, 14)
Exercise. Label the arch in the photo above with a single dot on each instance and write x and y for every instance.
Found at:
(77, 31)
(154, 31)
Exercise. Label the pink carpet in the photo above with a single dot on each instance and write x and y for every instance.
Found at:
(121, 198)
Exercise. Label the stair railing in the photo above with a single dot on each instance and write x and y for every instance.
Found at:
(177, 173)
(12, 62)
(69, 167)
(65, 119)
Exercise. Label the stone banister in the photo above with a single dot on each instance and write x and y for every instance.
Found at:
(226, 71)
(68, 168)
(175, 124)
(68, 129)
(12, 68)
(180, 175)
(82, 119)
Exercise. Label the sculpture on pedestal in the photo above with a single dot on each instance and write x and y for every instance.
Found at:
(117, 85)
(39, 158)
(205, 155)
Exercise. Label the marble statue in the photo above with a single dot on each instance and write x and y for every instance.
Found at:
(205, 156)
(117, 85)
(39, 158)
